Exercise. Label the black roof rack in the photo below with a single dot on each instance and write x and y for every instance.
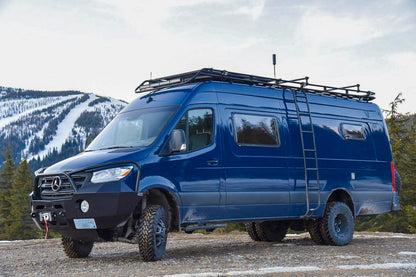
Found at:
(210, 74)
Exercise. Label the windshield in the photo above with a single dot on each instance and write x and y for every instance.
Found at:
(133, 129)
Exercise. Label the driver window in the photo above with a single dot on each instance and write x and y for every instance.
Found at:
(198, 125)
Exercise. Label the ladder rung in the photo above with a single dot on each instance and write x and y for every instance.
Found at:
(311, 169)
(301, 96)
(313, 188)
(309, 150)
(307, 132)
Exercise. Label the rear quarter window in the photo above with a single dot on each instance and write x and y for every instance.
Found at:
(255, 130)
(353, 131)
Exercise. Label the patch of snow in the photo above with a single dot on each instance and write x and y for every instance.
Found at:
(293, 235)
(12, 241)
(64, 130)
(260, 271)
(202, 274)
(25, 152)
(347, 257)
(379, 266)
(108, 109)
(283, 244)
(7, 120)
(385, 236)
(407, 253)
(294, 269)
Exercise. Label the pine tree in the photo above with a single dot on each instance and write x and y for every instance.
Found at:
(396, 123)
(19, 224)
(6, 177)
(402, 132)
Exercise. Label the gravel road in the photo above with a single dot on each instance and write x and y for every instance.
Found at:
(232, 254)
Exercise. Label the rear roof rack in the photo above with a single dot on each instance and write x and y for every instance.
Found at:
(210, 74)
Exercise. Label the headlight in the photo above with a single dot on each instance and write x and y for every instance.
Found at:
(39, 171)
(111, 174)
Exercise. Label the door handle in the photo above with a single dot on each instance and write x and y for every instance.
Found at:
(212, 162)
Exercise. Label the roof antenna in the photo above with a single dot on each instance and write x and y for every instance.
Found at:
(274, 64)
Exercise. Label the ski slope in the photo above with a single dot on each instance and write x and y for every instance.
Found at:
(65, 128)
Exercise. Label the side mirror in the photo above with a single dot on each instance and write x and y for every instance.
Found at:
(177, 141)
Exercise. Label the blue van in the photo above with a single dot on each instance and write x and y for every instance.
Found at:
(208, 147)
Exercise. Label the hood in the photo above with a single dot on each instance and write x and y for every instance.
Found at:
(98, 158)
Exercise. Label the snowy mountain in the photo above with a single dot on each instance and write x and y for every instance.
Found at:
(45, 127)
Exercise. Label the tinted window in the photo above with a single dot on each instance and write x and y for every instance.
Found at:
(255, 130)
(198, 125)
(352, 131)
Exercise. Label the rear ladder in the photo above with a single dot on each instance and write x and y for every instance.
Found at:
(308, 142)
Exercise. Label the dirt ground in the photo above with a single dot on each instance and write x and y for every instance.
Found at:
(232, 254)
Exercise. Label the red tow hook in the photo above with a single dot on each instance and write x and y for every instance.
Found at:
(47, 228)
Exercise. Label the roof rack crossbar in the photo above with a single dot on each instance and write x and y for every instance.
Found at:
(347, 88)
(210, 74)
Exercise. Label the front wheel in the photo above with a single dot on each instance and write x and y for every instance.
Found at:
(76, 248)
(271, 230)
(337, 225)
(153, 233)
(251, 230)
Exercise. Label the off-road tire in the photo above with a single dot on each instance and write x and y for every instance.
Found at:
(251, 230)
(337, 225)
(398, 180)
(271, 230)
(153, 233)
(314, 229)
(76, 248)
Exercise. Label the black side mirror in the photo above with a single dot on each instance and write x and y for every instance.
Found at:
(176, 142)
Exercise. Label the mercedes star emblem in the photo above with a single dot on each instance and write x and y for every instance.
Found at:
(56, 183)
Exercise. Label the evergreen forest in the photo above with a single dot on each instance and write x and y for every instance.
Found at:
(16, 184)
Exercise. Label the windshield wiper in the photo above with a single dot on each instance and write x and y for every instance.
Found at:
(111, 147)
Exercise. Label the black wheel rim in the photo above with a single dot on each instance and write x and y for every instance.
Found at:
(160, 233)
(340, 225)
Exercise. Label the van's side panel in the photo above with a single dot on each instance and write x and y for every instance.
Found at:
(254, 182)
(257, 184)
(348, 164)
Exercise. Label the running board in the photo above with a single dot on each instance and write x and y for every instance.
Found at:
(190, 229)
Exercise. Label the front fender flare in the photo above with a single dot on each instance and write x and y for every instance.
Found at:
(159, 182)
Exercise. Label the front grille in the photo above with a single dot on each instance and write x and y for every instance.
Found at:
(66, 189)
(79, 180)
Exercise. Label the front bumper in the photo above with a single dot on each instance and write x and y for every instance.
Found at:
(110, 203)
(109, 211)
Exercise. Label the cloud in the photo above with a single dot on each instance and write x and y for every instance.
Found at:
(149, 14)
(254, 10)
(109, 46)
(319, 30)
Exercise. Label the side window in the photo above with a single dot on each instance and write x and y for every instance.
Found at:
(353, 131)
(256, 130)
(198, 125)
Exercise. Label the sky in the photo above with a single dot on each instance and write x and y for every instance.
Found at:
(109, 47)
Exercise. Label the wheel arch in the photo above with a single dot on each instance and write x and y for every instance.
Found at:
(157, 195)
(342, 195)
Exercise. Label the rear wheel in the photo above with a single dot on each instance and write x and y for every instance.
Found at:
(251, 230)
(337, 226)
(314, 228)
(76, 248)
(153, 233)
(271, 230)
